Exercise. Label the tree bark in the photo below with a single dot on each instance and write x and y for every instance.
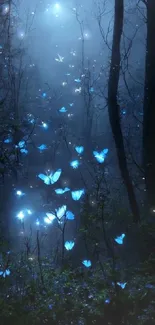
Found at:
(149, 108)
(114, 109)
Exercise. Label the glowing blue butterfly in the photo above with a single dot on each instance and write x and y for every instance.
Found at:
(25, 151)
(100, 156)
(71, 104)
(50, 217)
(76, 195)
(69, 245)
(63, 110)
(122, 284)
(61, 190)
(86, 263)
(77, 80)
(119, 239)
(42, 147)
(52, 178)
(74, 164)
(47, 220)
(79, 149)
(61, 211)
(5, 273)
(91, 90)
(8, 140)
(70, 215)
(21, 144)
(60, 58)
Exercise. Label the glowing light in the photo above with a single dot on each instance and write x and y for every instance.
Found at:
(37, 222)
(20, 193)
(5, 9)
(20, 215)
(29, 211)
(44, 125)
(64, 83)
(57, 6)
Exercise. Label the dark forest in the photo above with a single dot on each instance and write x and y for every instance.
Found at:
(77, 162)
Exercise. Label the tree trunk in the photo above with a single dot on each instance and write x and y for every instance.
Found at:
(149, 108)
(114, 109)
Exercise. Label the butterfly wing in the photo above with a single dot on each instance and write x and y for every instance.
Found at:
(61, 211)
(44, 178)
(99, 156)
(76, 195)
(61, 190)
(54, 178)
(70, 215)
(50, 216)
(7, 272)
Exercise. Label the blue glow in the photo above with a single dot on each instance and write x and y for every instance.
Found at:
(44, 95)
(52, 178)
(91, 90)
(50, 217)
(21, 144)
(25, 151)
(107, 301)
(76, 195)
(79, 149)
(29, 211)
(100, 156)
(87, 263)
(122, 284)
(70, 215)
(19, 193)
(47, 220)
(8, 140)
(42, 147)
(77, 80)
(44, 125)
(37, 222)
(69, 245)
(74, 164)
(63, 110)
(119, 239)
(71, 104)
(5, 273)
(61, 211)
(21, 215)
(61, 190)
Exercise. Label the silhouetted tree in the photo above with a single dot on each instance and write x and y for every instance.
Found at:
(149, 106)
(114, 109)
